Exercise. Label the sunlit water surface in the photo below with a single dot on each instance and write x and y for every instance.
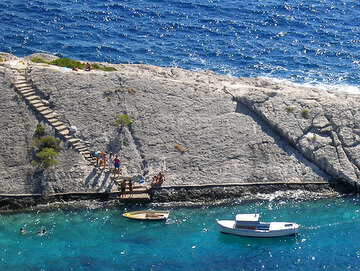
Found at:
(308, 42)
(94, 237)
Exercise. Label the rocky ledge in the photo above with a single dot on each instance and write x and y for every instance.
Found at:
(198, 128)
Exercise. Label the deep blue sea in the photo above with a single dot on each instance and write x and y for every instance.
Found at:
(302, 42)
(313, 42)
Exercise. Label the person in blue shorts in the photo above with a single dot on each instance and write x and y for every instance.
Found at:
(117, 165)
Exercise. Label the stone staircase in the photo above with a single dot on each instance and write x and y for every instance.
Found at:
(140, 193)
(62, 129)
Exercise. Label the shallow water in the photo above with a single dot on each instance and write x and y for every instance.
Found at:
(95, 238)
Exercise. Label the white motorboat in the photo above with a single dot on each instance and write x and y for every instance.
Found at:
(249, 225)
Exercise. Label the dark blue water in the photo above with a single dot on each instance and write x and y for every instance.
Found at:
(307, 42)
(101, 239)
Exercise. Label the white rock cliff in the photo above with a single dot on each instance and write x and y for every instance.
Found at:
(232, 130)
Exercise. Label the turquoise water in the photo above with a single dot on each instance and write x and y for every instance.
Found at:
(99, 238)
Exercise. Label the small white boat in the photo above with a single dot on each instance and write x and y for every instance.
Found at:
(148, 215)
(249, 225)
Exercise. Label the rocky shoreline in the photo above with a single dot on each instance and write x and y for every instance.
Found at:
(219, 192)
(213, 136)
(182, 195)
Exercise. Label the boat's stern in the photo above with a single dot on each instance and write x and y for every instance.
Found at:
(284, 228)
(296, 227)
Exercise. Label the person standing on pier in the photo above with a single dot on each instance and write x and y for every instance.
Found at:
(131, 188)
(123, 188)
(111, 162)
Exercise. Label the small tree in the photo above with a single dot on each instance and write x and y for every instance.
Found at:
(122, 120)
(46, 149)
(47, 142)
(305, 113)
(47, 157)
(40, 131)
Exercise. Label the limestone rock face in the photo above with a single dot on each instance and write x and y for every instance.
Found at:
(197, 127)
(18, 124)
(15, 137)
(322, 125)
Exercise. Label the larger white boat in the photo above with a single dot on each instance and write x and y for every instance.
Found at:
(249, 225)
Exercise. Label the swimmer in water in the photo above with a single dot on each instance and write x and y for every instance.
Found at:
(42, 232)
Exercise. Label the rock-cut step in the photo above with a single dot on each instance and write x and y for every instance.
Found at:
(63, 132)
(61, 128)
(20, 85)
(26, 90)
(33, 102)
(21, 79)
(41, 108)
(73, 140)
(29, 93)
(140, 194)
(33, 97)
(57, 123)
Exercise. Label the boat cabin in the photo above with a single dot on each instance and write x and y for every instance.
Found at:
(247, 221)
(250, 222)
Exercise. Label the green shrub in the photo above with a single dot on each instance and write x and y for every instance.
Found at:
(46, 149)
(305, 113)
(122, 120)
(98, 67)
(108, 69)
(38, 60)
(289, 109)
(47, 157)
(47, 142)
(68, 63)
(1, 59)
(40, 131)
